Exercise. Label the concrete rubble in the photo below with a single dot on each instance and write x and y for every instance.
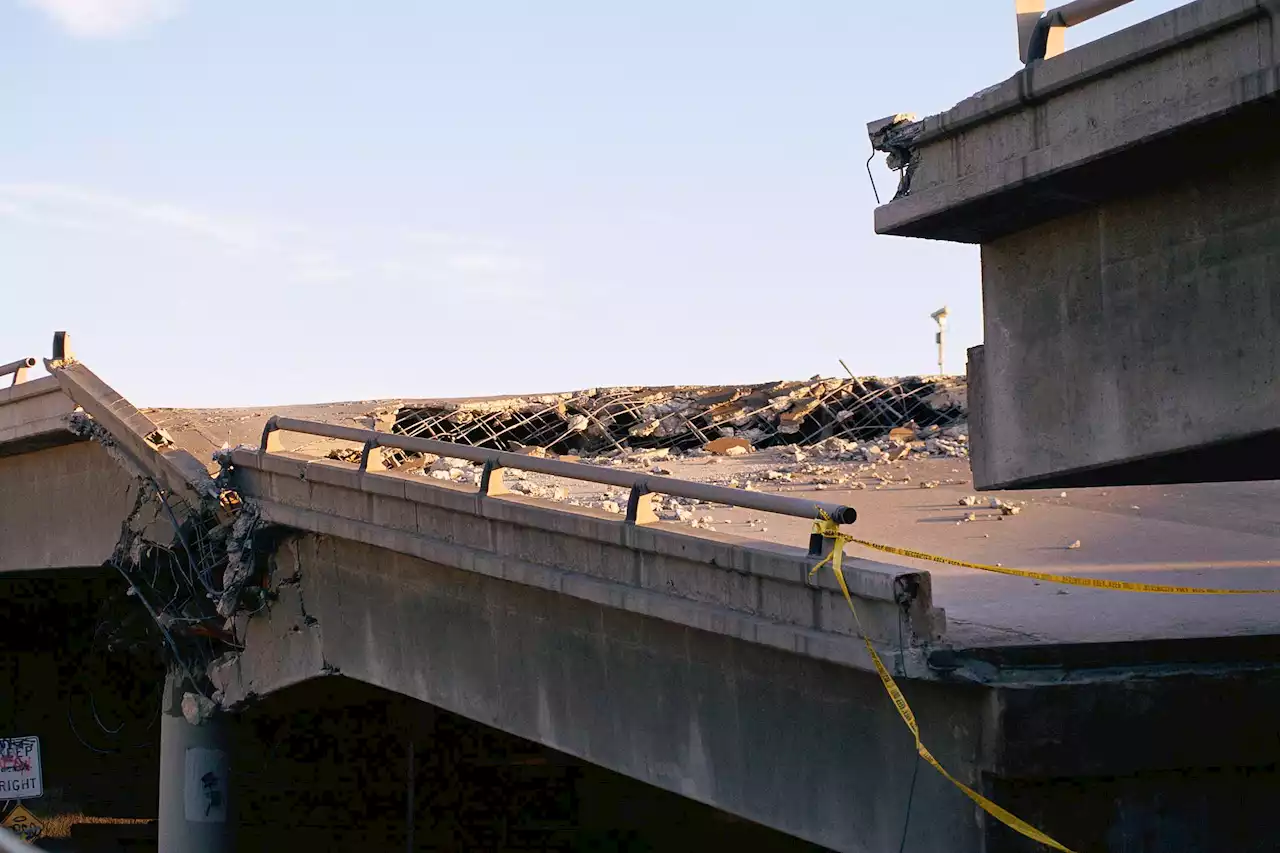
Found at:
(597, 421)
(821, 433)
(832, 463)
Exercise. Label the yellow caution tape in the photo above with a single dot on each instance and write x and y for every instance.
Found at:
(830, 530)
(1096, 583)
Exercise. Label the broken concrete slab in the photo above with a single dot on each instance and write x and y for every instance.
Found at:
(724, 446)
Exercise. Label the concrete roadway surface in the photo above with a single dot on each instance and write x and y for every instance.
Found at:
(1220, 535)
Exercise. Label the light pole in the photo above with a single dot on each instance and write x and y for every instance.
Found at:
(940, 317)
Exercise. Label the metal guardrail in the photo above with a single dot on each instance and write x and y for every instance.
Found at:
(18, 369)
(1040, 36)
(642, 486)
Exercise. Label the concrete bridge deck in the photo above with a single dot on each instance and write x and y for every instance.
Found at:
(1199, 534)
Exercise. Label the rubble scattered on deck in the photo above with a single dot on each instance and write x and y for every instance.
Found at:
(1006, 508)
(819, 434)
(596, 421)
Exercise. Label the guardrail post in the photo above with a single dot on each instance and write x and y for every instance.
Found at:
(270, 438)
(372, 451)
(1042, 36)
(640, 505)
(491, 483)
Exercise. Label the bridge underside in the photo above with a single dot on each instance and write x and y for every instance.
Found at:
(711, 718)
(331, 763)
(336, 764)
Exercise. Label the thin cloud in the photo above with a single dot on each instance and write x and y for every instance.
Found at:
(26, 215)
(54, 201)
(437, 238)
(106, 19)
(488, 264)
(319, 267)
(463, 267)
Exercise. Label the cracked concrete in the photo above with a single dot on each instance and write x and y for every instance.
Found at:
(283, 644)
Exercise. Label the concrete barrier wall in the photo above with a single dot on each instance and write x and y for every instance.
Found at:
(722, 584)
(33, 414)
(1188, 66)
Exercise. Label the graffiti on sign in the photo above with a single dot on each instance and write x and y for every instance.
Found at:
(20, 776)
(23, 823)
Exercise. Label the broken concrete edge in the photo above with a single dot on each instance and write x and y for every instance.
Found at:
(135, 433)
(91, 411)
(242, 525)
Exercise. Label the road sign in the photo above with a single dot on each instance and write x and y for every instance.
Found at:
(20, 775)
(23, 823)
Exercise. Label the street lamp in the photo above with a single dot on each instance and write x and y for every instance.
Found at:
(940, 317)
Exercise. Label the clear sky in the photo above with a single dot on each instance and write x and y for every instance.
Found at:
(244, 202)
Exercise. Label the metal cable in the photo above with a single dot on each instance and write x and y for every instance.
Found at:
(177, 529)
(871, 178)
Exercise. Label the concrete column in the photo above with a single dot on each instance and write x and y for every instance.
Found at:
(195, 776)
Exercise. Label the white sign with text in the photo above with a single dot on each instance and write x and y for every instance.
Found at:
(20, 774)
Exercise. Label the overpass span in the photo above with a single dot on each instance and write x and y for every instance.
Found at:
(705, 665)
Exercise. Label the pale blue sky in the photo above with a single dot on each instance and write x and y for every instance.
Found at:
(244, 202)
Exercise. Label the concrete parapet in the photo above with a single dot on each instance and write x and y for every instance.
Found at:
(34, 414)
(714, 582)
(1187, 67)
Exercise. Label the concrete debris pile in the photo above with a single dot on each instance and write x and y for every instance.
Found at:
(622, 420)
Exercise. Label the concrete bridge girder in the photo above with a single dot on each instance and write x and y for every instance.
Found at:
(715, 718)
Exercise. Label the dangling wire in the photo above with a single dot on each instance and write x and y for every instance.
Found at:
(911, 794)
(871, 177)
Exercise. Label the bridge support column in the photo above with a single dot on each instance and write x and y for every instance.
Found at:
(194, 775)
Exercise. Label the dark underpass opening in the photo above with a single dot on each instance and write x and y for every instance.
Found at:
(334, 764)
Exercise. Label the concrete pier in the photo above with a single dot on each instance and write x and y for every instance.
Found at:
(195, 776)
